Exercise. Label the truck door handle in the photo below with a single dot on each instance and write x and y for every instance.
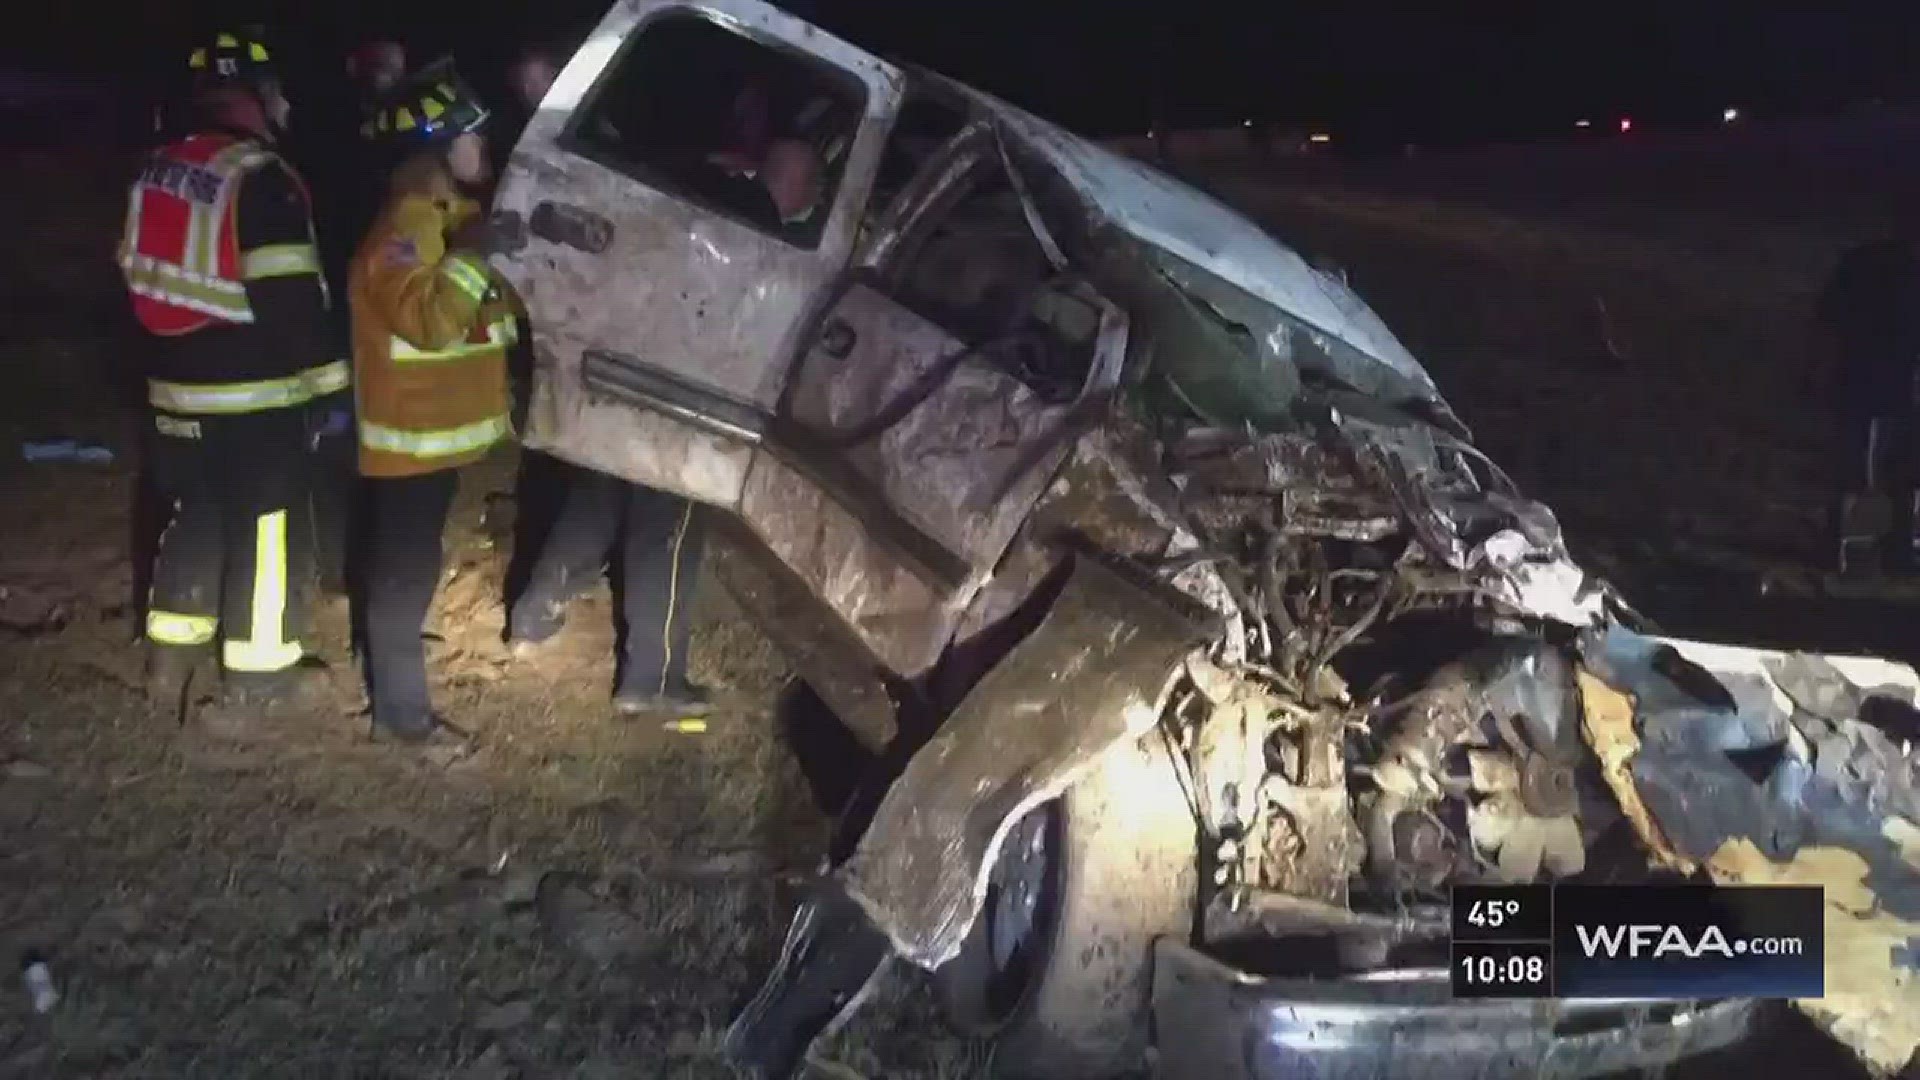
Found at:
(510, 229)
(563, 223)
(837, 339)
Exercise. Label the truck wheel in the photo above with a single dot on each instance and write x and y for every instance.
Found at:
(1058, 967)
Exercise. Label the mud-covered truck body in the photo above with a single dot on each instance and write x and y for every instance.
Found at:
(1198, 649)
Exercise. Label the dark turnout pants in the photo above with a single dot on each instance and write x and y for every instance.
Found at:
(334, 484)
(1880, 462)
(234, 561)
(658, 539)
(406, 520)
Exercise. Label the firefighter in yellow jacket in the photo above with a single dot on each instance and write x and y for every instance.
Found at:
(431, 327)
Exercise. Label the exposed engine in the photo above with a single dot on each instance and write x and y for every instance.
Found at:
(1392, 709)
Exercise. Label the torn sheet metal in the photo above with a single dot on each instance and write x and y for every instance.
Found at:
(1227, 462)
(1090, 678)
(1509, 547)
(1608, 721)
(965, 440)
(1097, 501)
(1043, 235)
(1100, 499)
(1110, 495)
(1539, 582)
(899, 617)
(893, 235)
(1026, 565)
(1726, 769)
(825, 651)
(1163, 212)
(1368, 481)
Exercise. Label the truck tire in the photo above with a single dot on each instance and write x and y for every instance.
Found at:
(1099, 873)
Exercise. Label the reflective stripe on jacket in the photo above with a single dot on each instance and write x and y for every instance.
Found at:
(180, 252)
(246, 397)
(430, 334)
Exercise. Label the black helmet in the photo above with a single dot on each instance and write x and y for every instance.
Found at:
(433, 106)
(231, 58)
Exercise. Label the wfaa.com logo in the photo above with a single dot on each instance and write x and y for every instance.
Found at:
(1688, 942)
(1661, 941)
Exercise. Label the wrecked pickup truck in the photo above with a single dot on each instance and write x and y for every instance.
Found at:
(1197, 648)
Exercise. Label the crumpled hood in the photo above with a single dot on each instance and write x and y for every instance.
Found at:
(1196, 229)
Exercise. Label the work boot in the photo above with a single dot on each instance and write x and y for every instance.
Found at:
(678, 698)
(169, 674)
(247, 700)
(306, 685)
(531, 624)
(421, 728)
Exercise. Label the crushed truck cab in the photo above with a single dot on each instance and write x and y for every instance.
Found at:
(1197, 647)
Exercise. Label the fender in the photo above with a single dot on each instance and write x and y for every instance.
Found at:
(1092, 676)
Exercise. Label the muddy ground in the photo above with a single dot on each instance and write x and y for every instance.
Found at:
(294, 901)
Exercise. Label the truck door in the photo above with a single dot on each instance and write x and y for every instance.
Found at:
(665, 283)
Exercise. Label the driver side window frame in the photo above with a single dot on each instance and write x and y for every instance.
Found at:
(573, 140)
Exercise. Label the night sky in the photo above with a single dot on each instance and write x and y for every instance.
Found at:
(1458, 72)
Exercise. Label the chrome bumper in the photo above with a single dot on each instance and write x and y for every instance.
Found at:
(1215, 1022)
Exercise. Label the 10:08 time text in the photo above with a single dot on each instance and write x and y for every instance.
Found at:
(1501, 969)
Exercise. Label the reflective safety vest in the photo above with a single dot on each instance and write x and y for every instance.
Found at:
(431, 330)
(180, 252)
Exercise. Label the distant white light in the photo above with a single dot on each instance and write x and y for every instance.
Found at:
(1730, 115)
(1320, 137)
(1246, 123)
(1626, 124)
(1583, 123)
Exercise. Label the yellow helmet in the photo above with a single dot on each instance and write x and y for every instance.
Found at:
(433, 106)
(231, 58)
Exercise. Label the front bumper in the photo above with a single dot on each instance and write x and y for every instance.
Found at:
(1215, 1022)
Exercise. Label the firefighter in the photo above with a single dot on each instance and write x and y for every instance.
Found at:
(357, 156)
(377, 67)
(219, 256)
(377, 70)
(431, 327)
